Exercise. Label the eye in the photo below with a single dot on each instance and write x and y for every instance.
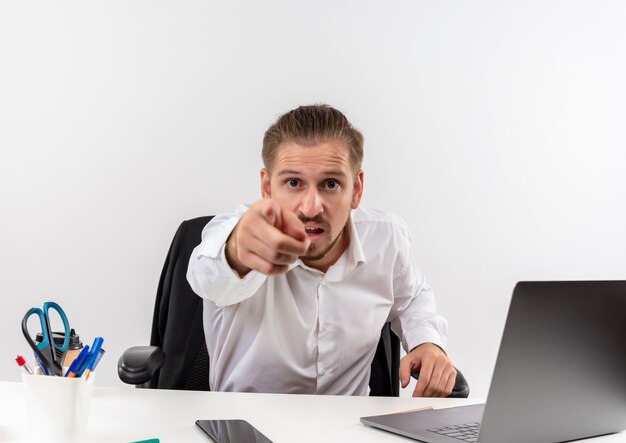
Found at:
(293, 183)
(331, 184)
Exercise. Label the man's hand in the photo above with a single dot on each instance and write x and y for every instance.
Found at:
(437, 375)
(266, 239)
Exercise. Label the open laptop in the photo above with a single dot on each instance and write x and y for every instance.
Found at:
(560, 374)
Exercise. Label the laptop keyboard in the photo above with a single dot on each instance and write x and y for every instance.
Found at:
(466, 432)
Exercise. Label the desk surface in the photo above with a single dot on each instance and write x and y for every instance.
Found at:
(128, 414)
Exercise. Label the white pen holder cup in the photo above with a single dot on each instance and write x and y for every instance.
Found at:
(57, 407)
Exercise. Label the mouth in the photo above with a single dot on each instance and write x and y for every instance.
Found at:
(313, 232)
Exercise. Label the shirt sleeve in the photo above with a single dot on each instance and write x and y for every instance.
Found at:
(209, 274)
(414, 316)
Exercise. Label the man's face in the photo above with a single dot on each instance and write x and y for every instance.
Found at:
(318, 184)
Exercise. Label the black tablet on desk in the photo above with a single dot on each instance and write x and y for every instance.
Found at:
(231, 431)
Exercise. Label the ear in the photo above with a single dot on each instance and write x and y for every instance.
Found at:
(265, 183)
(357, 190)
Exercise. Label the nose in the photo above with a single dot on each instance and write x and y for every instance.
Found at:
(311, 204)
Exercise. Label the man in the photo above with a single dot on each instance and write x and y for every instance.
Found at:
(297, 286)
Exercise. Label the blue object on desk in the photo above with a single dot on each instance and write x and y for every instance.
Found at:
(92, 358)
(45, 351)
(94, 353)
(42, 368)
(78, 363)
(100, 354)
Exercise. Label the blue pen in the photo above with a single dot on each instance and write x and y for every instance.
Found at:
(78, 362)
(92, 366)
(91, 358)
(100, 354)
(42, 368)
(95, 351)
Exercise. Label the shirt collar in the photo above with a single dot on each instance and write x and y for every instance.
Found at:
(355, 249)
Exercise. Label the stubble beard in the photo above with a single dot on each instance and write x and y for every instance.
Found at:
(321, 254)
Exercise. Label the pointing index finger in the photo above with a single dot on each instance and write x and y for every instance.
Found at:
(293, 227)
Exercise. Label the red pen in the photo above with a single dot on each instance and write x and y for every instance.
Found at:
(21, 362)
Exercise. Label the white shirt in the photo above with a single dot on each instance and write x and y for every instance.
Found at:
(305, 331)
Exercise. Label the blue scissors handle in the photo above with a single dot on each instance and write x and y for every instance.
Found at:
(66, 326)
(45, 350)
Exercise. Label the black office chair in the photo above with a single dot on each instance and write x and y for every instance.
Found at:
(177, 357)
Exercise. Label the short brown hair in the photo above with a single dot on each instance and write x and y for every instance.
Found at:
(312, 124)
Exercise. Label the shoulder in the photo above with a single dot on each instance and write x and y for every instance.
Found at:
(377, 222)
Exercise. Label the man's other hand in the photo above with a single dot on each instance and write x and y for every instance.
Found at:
(437, 374)
(267, 239)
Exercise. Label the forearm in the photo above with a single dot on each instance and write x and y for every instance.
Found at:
(213, 279)
(416, 320)
(416, 331)
(209, 273)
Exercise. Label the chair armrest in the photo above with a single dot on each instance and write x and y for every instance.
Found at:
(139, 364)
(460, 389)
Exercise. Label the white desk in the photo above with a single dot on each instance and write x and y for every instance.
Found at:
(128, 414)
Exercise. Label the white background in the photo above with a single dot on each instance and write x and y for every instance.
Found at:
(495, 128)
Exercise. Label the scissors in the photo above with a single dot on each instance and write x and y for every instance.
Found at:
(46, 350)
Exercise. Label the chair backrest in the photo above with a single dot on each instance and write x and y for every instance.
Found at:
(177, 326)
